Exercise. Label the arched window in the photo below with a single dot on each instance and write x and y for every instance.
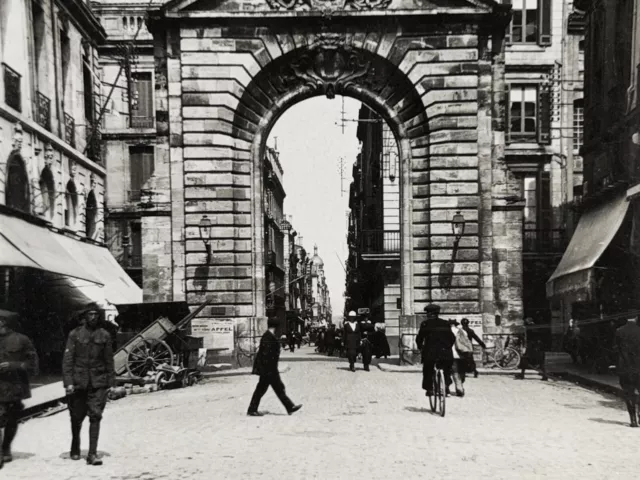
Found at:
(90, 215)
(17, 185)
(48, 192)
(70, 204)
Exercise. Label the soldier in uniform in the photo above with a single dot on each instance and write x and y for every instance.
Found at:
(18, 360)
(627, 344)
(435, 340)
(88, 375)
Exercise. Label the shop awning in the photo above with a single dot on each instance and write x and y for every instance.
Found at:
(594, 233)
(38, 247)
(118, 288)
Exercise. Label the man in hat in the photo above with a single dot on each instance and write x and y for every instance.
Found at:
(435, 340)
(18, 360)
(266, 365)
(627, 344)
(352, 339)
(88, 375)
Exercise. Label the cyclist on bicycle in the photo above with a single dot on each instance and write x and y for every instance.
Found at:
(435, 341)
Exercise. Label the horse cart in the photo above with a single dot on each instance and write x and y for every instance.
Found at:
(160, 343)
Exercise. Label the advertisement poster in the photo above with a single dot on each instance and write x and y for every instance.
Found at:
(216, 333)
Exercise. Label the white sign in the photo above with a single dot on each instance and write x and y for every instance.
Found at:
(216, 333)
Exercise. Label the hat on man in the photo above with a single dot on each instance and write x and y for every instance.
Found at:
(352, 314)
(272, 322)
(432, 308)
(9, 318)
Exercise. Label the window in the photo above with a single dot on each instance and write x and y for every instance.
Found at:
(65, 57)
(142, 100)
(71, 205)
(578, 124)
(39, 54)
(529, 113)
(141, 166)
(17, 185)
(135, 260)
(87, 78)
(531, 22)
(47, 192)
(91, 213)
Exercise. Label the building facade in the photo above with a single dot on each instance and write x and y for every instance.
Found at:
(597, 278)
(52, 175)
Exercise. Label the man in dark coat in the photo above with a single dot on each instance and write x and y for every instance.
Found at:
(266, 365)
(366, 344)
(471, 334)
(18, 360)
(352, 337)
(627, 345)
(435, 340)
(88, 375)
(330, 339)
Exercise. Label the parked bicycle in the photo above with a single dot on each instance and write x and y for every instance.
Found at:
(505, 354)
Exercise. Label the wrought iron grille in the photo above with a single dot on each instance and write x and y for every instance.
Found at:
(380, 241)
(93, 148)
(544, 241)
(43, 111)
(70, 130)
(12, 93)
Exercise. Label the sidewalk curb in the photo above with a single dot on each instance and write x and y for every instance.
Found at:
(587, 382)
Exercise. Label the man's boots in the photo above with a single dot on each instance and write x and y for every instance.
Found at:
(94, 433)
(9, 434)
(75, 440)
(631, 407)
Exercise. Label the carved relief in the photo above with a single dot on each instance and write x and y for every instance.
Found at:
(328, 5)
(73, 168)
(368, 4)
(48, 155)
(329, 65)
(92, 181)
(288, 4)
(18, 136)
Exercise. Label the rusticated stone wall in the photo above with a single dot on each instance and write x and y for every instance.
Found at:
(438, 83)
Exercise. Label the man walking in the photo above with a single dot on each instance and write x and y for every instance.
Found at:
(366, 328)
(471, 335)
(87, 375)
(352, 338)
(18, 360)
(435, 340)
(627, 345)
(266, 365)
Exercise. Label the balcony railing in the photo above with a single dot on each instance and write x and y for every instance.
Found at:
(380, 241)
(93, 148)
(43, 111)
(141, 122)
(12, 92)
(270, 259)
(70, 130)
(135, 261)
(544, 241)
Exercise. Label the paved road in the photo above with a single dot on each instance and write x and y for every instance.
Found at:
(352, 426)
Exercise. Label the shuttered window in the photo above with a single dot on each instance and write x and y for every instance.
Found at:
(142, 100)
(531, 22)
(141, 165)
(529, 113)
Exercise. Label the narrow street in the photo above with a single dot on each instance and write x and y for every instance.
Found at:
(372, 425)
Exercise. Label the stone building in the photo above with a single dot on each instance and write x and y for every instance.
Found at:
(138, 229)
(597, 278)
(52, 177)
(435, 75)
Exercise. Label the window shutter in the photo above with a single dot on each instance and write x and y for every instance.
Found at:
(544, 22)
(507, 116)
(507, 35)
(544, 114)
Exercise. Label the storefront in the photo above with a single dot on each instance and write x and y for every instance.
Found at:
(48, 276)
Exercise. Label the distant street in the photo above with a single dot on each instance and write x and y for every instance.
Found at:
(360, 425)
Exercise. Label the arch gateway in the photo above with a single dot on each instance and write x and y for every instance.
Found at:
(433, 69)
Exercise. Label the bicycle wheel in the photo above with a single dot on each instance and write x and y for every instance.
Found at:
(442, 392)
(507, 359)
(433, 398)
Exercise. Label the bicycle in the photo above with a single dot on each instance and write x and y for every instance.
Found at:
(437, 399)
(507, 356)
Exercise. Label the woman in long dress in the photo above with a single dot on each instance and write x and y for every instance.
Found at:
(380, 343)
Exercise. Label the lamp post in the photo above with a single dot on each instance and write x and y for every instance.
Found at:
(205, 235)
(457, 224)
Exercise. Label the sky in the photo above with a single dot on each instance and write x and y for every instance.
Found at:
(310, 141)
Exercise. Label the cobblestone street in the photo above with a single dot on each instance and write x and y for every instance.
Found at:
(372, 425)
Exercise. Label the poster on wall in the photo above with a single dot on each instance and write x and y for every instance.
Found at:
(216, 333)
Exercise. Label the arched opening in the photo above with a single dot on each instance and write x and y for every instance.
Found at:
(48, 192)
(91, 213)
(70, 205)
(17, 185)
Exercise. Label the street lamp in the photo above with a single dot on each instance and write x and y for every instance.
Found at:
(205, 235)
(458, 225)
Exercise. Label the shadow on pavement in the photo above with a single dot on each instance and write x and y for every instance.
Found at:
(83, 454)
(609, 422)
(421, 410)
(22, 455)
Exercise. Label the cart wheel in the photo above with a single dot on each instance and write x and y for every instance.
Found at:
(161, 380)
(148, 356)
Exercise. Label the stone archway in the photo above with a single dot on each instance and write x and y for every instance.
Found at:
(227, 70)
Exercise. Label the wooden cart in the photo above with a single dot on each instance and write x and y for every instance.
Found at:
(148, 349)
